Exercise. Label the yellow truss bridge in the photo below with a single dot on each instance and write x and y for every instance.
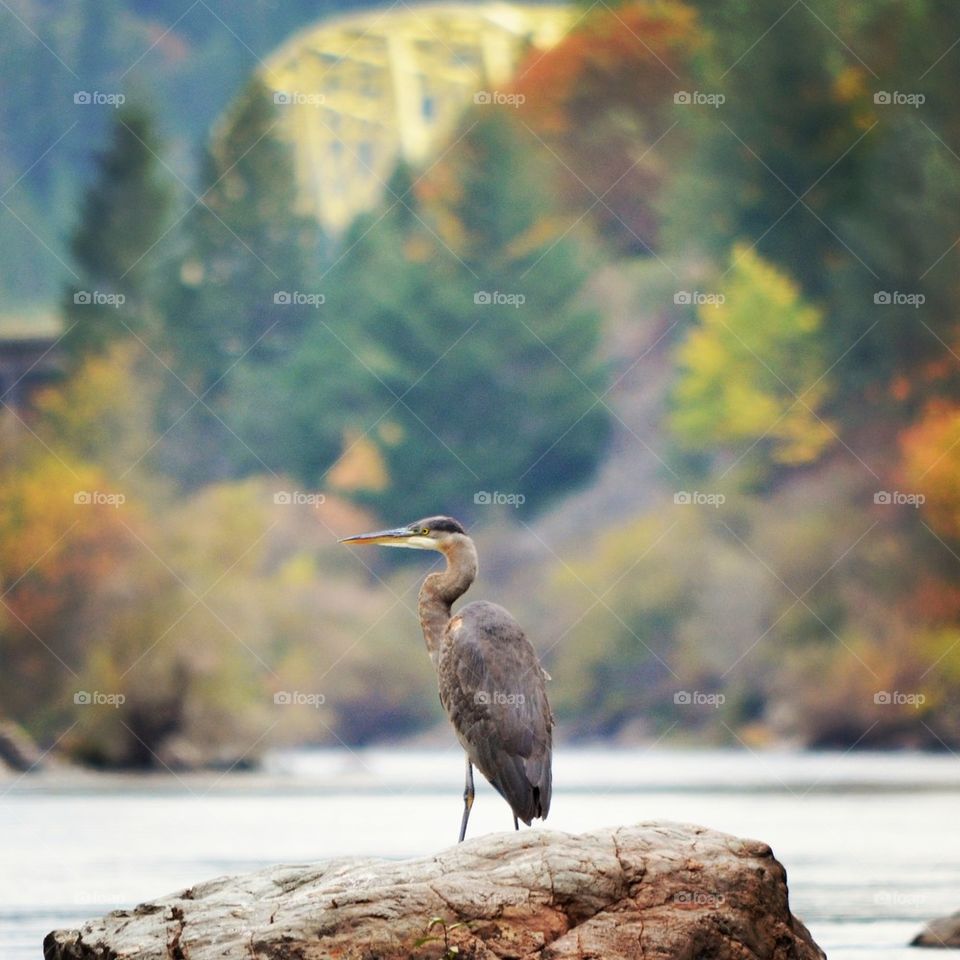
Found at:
(356, 93)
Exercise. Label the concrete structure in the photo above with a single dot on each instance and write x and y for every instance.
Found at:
(357, 93)
(29, 358)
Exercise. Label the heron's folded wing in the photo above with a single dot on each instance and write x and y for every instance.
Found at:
(493, 688)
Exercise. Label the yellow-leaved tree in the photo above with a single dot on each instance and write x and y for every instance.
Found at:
(753, 370)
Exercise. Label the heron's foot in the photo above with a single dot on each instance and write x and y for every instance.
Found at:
(516, 822)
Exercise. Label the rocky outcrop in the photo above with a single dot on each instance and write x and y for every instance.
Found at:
(655, 890)
(942, 932)
(17, 750)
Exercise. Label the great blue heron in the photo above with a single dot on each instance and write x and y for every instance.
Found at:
(491, 682)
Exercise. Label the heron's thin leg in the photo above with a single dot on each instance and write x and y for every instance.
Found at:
(467, 800)
(516, 822)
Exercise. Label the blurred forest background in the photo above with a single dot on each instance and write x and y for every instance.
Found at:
(722, 426)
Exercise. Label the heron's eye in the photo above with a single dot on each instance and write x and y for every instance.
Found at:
(424, 531)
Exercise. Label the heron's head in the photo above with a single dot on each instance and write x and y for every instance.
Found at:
(431, 533)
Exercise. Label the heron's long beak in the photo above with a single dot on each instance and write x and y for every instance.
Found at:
(398, 537)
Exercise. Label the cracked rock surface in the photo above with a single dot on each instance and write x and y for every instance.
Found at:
(655, 890)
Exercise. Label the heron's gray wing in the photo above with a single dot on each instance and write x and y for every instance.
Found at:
(493, 688)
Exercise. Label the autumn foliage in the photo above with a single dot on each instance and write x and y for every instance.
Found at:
(931, 465)
(59, 547)
(714, 349)
(751, 371)
(601, 105)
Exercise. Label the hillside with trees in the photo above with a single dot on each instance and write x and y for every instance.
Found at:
(691, 306)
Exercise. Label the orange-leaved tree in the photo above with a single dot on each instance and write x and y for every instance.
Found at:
(931, 465)
(62, 533)
(601, 104)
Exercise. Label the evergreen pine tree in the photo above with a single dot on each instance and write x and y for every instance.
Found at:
(241, 295)
(248, 254)
(463, 359)
(784, 123)
(117, 244)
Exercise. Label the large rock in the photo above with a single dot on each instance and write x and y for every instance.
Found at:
(17, 750)
(942, 932)
(655, 890)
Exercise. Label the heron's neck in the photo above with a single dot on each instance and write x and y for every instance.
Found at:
(440, 590)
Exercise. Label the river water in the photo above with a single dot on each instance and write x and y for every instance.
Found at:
(870, 841)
